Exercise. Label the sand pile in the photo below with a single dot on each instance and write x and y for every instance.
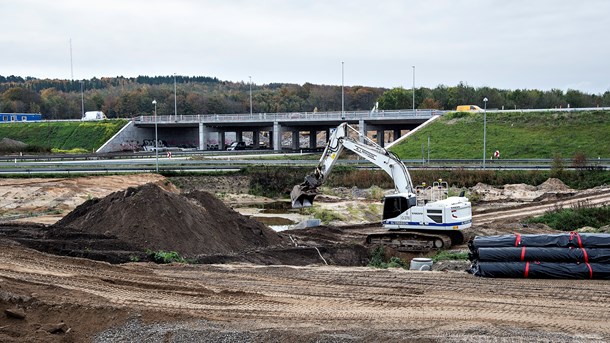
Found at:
(522, 192)
(554, 185)
(152, 218)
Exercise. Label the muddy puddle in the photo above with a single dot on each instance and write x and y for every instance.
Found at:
(279, 215)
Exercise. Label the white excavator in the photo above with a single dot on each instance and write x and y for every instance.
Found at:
(417, 219)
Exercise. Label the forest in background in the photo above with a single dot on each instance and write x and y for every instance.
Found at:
(126, 97)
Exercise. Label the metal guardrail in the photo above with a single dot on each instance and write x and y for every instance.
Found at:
(236, 154)
(291, 116)
(332, 115)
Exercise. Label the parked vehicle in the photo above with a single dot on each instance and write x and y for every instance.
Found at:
(237, 146)
(94, 115)
(468, 108)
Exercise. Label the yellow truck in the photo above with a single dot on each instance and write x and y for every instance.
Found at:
(468, 108)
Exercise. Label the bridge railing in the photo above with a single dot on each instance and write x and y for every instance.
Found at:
(292, 116)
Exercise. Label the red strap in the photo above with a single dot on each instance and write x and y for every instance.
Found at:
(522, 253)
(590, 271)
(527, 269)
(517, 239)
(585, 255)
(575, 234)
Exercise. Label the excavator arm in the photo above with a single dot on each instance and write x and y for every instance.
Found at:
(347, 137)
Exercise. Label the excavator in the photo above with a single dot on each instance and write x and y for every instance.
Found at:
(415, 219)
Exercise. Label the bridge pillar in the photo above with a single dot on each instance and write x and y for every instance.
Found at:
(380, 134)
(256, 139)
(362, 128)
(239, 136)
(397, 134)
(203, 137)
(313, 139)
(296, 144)
(277, 136)
(221, 140)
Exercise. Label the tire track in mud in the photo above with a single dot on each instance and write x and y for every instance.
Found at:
(307, 295)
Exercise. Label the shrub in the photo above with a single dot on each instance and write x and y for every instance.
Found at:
(165, 256)
(570, 219)
(378, 260)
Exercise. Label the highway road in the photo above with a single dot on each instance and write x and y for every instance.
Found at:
(235, 161)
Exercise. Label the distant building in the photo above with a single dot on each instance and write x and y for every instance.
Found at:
(16, 117)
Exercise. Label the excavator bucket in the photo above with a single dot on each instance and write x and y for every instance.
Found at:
(301, 198)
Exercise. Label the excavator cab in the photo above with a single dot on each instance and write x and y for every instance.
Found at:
(395, 205)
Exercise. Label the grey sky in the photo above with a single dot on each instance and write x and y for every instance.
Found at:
(506, 44)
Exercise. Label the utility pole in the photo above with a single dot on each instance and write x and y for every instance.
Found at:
(175, 100)
(250, 95)
(413, 89)
(342, 92)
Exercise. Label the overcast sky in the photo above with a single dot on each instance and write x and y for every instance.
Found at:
(507, 44)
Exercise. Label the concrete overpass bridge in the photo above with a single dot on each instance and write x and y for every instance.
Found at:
(267, 129)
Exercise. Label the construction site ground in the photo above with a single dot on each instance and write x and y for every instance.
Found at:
(301, 286)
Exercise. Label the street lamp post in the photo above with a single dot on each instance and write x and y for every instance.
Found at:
(342, 92)
(250, 95)
(413, 89)
(484, 130)
(82, 100)
(175, 100)
(156, 146)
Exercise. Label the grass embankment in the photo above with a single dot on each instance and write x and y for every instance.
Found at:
(516, 135)
(62, 136)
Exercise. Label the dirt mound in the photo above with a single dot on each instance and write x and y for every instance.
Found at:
(554, 185)
(152, 218)
(7, 144)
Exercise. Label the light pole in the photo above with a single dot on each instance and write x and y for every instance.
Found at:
(342, 92)
(484, 130)
(156, 147)
(413, 89)
(175, 100)
(82, 100)
(250, 95)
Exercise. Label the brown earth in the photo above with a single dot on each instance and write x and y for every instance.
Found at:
(67, 299)
(149, 217)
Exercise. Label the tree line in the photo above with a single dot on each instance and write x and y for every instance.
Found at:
(121, 97)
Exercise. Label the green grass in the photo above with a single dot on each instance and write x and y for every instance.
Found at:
(446, 255)
(63, 136)
(325, 215)
(515, 135)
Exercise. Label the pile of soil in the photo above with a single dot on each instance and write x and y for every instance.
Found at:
(7, 144)
(554, 185)
(149, 217)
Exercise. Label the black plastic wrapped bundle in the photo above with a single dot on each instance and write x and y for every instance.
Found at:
(525, 254)
(541, 270)
(572, 239)
(560, 256)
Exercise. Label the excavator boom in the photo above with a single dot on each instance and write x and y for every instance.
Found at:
(345, 136)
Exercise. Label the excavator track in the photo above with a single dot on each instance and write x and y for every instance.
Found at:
(414, 241)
